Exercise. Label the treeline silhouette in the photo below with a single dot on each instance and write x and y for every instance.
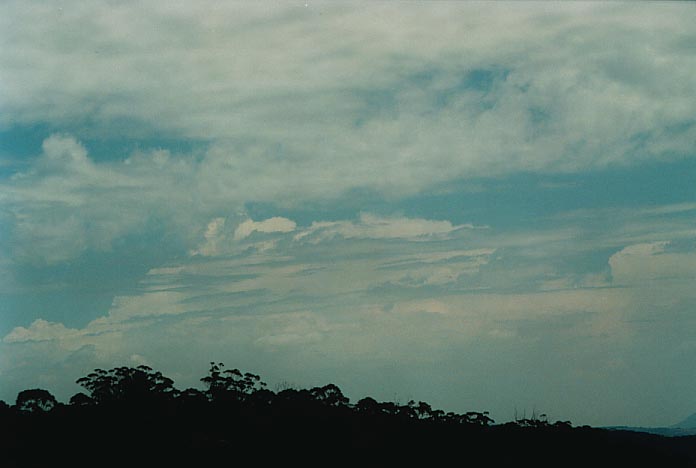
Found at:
(137, 417)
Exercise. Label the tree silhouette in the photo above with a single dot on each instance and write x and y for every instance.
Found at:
(479, 419)
(368, 406)
(35, 400)
(231, 384)
(192, 395)
(80, 399)
(423, 409)
(135, 417)
(127, 384)
(329, 395)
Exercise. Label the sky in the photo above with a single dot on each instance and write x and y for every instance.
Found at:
(485, 206)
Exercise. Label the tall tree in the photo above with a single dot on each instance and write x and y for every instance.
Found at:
(127, 384)
(36, 400)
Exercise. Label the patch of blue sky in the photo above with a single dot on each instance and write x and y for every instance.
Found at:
(480, 81)
(74, 307)
(82, 289)
(440, 86)
(19, 144)
(592, 260)
(516, 201)
(328, 209)
(529, 198)
(21, 141)
(683, 245)
(375, 104)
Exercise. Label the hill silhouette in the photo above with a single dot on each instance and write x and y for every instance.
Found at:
(688, 423)
(136, 417)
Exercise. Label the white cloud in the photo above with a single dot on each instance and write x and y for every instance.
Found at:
(65, 203)
(166, 270)
(431, 306)
(640, 250)
(370, 226)
(294, 329)
(167, 291)
(307, 104)
(297, 105)
(591, 280)
(40, 330)
(220, 240)
(342, 96)
(435, 257)
(62, 152)
(213, 236)
(275, 224)
(297, 311)
(647, 262)
(154, 303)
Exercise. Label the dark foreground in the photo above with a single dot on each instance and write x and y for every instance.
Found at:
(135, 417)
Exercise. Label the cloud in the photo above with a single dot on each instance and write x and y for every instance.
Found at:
(351, 309)
(431, 306)
(63, 152)
(294, 329)
(40, 330)
(275, 224)
(371, 226)
(155, 303)
(292, 105)
(213, 238)
(290, 270)
(339, 97)
(220, 240)
(648, 262)
(66, 204)
(336, 332)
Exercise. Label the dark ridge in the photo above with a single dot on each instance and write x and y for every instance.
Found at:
(135, 417)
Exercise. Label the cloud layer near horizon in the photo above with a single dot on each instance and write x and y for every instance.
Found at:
(352, 305)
